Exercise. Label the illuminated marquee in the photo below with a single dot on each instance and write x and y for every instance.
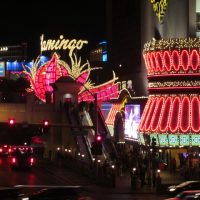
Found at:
(172, 111)
(61, 44)
(159, 7)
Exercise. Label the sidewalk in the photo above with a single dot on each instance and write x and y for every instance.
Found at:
(123, 182)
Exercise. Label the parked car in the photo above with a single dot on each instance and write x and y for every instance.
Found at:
(57, 193)
(21, 157)
(186, 195)
(187, 185)
(197, 196)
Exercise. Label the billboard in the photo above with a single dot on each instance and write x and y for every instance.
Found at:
(132, 120)
(2, 69)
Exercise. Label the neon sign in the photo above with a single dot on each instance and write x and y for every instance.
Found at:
(42, 76)
(132, 119)
(159, 7)
(61, 44)
(173, 107)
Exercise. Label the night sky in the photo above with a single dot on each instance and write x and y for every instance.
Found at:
(25, 22)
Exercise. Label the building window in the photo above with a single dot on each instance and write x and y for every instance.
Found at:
(197, 24)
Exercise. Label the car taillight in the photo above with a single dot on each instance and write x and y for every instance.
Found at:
(13, 160)
(31, 160)
(1, 150)
(9, 150)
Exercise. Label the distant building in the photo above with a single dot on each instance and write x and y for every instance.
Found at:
(12, 58)
(124, 41)
(180, 19)
(13, 53)
(171, 54)
(100, 53)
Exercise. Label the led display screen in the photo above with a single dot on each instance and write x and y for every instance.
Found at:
(132, 119)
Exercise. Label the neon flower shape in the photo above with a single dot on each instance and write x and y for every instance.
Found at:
(42, 77)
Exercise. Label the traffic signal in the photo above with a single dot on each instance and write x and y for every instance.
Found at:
(153, 142)
(96, 148)
(45, 127)
(11, 121)
(98, 138)
(45, 122)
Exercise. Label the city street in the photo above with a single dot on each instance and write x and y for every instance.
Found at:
(43, 174)
(104, 95)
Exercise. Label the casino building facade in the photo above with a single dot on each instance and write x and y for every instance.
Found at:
(171, 56)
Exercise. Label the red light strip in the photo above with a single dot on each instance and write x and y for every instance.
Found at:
(146, 62)
(172, 113)
(176, 60)
(194, 59)
(166, 61)
(159, 62)
(185, 115)
(112, 113)
(195, 114)
(165, 115)
(172, 61)
(153, 62)
(185, 60)
(150, 113)
(157, 113)
(144, 114)
(174, 121)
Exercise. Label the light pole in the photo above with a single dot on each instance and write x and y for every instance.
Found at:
(96, 114)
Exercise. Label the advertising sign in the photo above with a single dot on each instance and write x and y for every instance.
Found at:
(132, 120)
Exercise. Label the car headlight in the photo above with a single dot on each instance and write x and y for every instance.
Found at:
(25, 198)
(172, 189)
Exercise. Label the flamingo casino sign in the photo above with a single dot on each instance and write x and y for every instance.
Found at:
(159, 7)
(61, 44)
(42, 76)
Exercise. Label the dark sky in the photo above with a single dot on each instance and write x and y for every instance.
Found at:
(25, 21)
